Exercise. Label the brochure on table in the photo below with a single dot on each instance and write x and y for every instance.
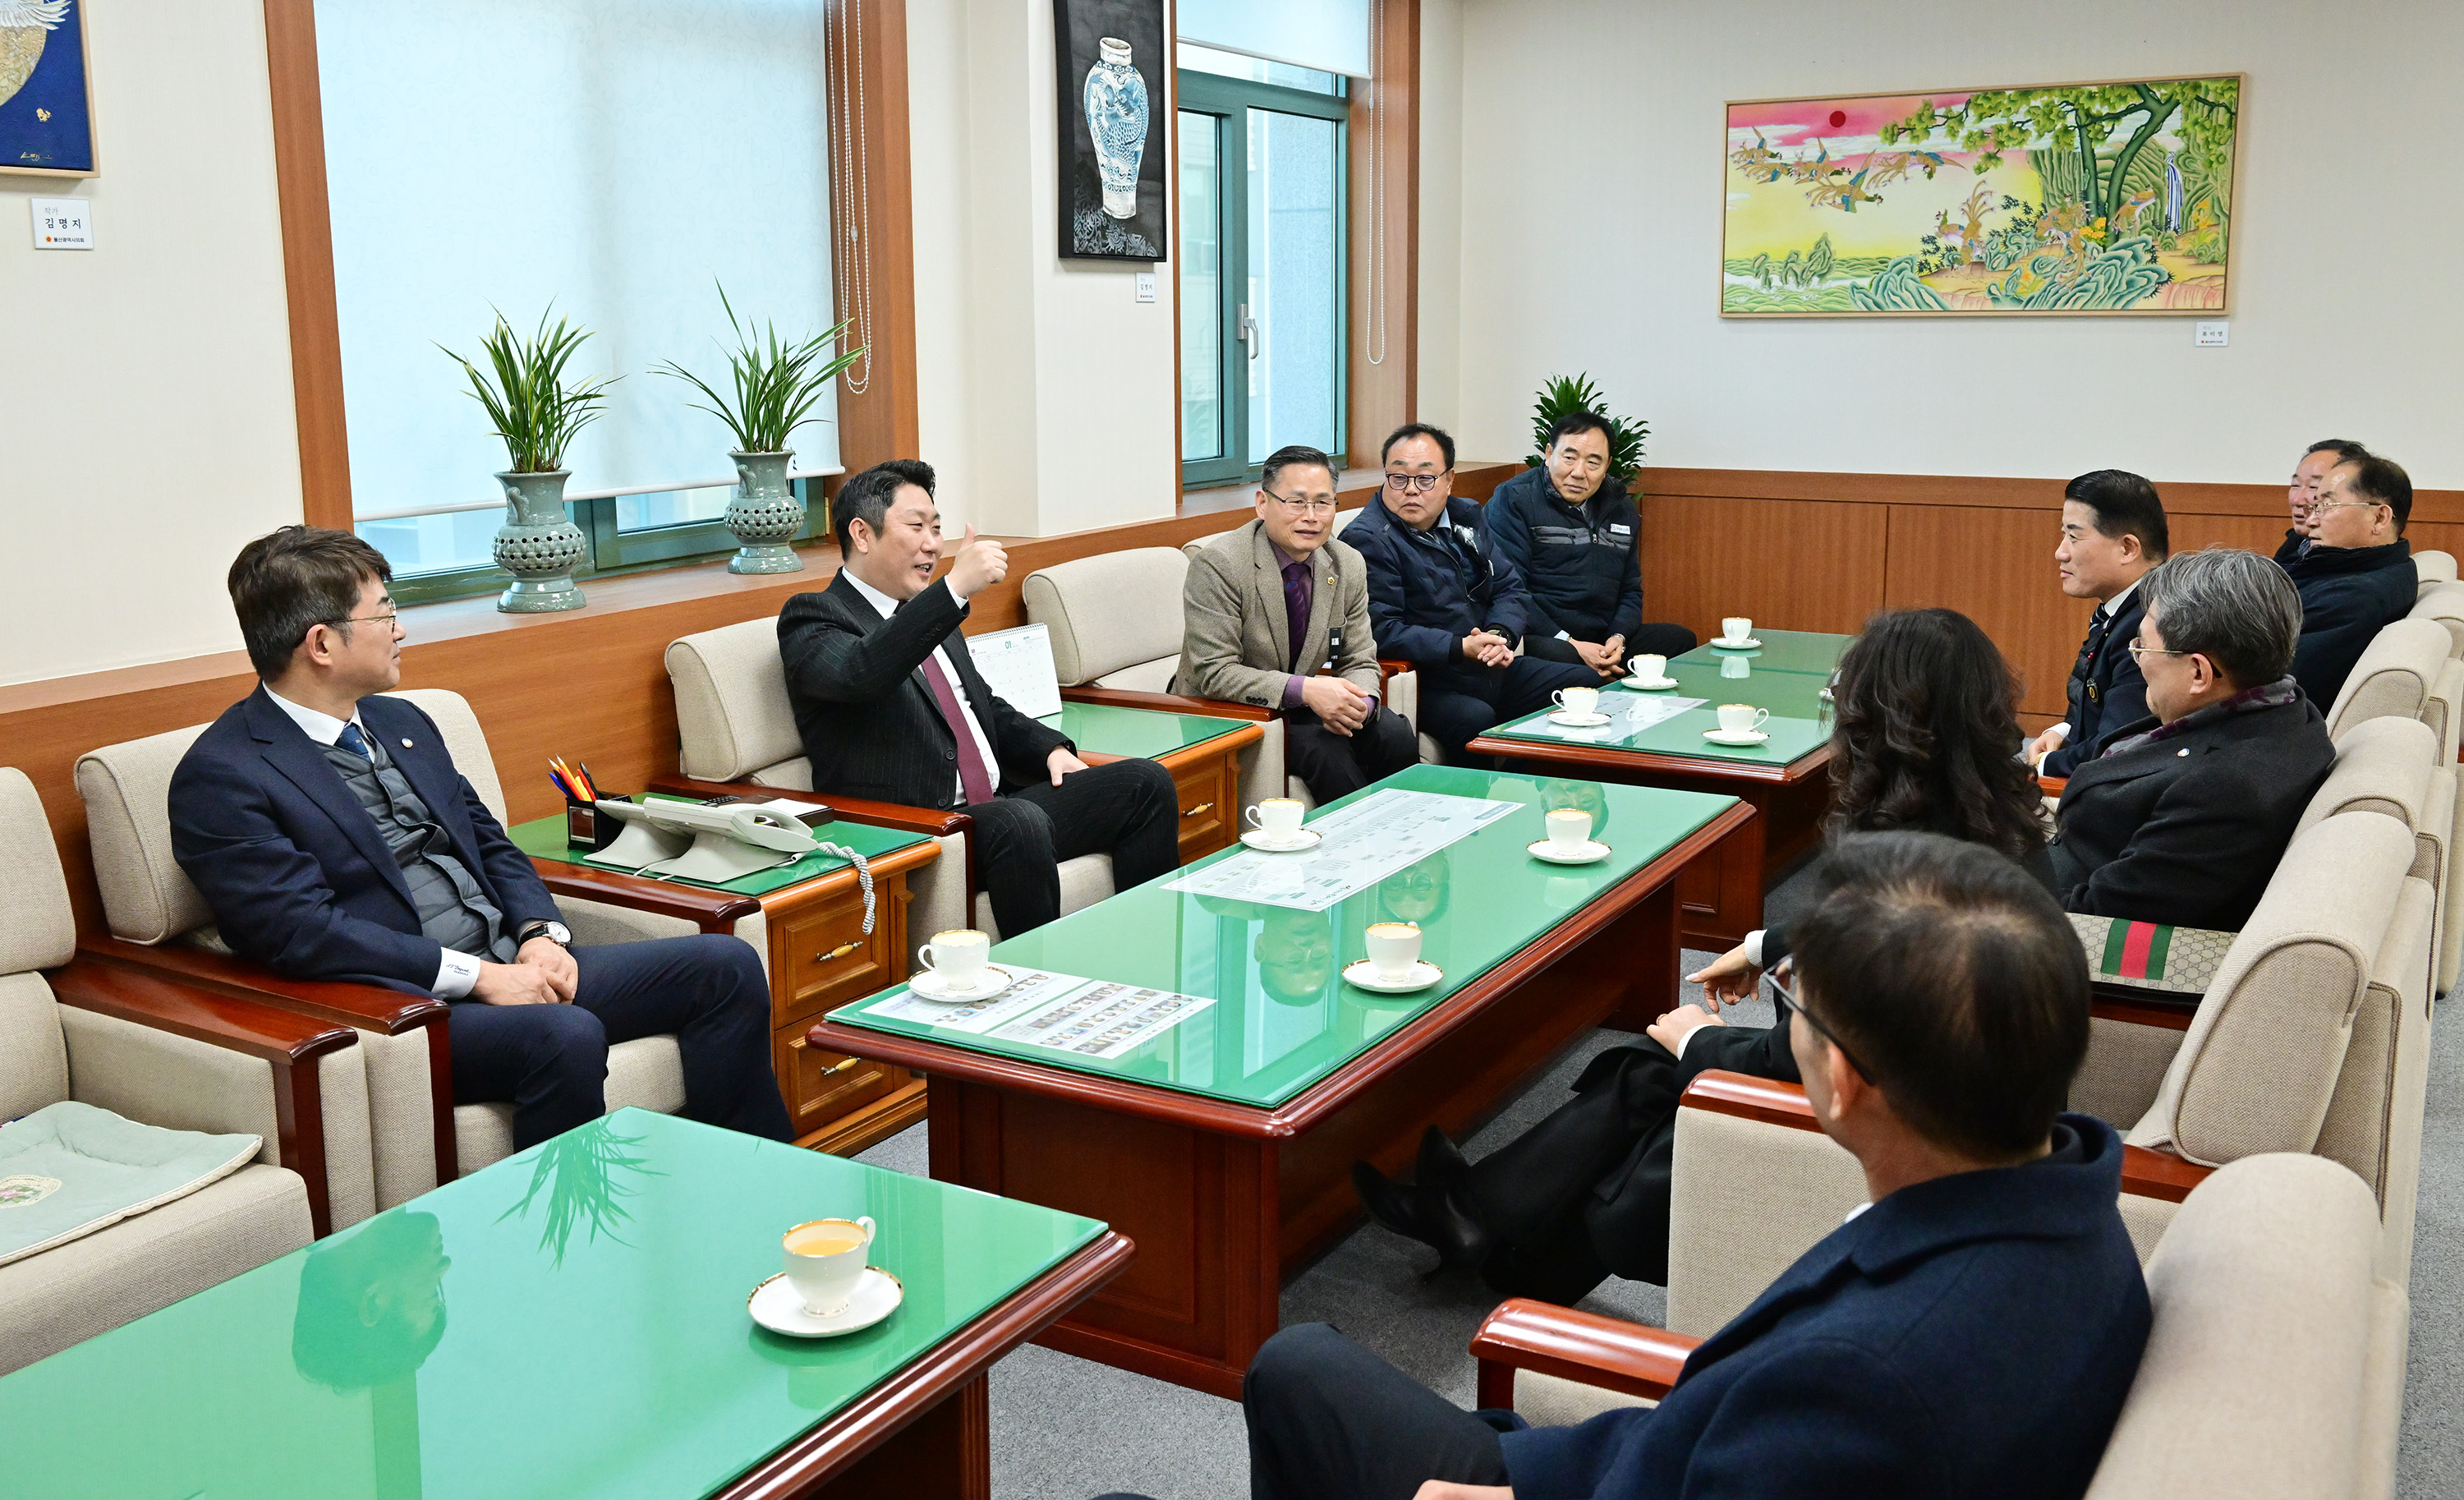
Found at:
(1096, 1018)
(1357, 847)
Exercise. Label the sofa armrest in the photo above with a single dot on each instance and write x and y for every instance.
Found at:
(1582, 1347)
(711, 910)
(365, 1007)
(2053, 786)
(1166, 703)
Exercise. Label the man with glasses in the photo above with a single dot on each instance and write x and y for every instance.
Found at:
(1443, 599)
(326, 826)
(1572, 532)
(2358, 576)
(2182, 818)
(1276, 615)
(2309, 473)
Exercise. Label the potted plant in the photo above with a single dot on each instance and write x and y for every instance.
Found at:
(777, 387)
(1576, 393)
(537, 411)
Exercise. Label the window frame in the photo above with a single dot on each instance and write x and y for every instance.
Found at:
(608, 552)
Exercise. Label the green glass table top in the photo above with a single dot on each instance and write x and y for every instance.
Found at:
(1283, 1017)
(1109, 729)
(1800, 718)
(569, 1322)
(1781, 650)
(543, 838)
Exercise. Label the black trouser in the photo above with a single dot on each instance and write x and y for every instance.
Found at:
(1338, 765)
(1126, 808)
(1327, 1417)
(551, 1061)
(1649, 640)
(1461, 700)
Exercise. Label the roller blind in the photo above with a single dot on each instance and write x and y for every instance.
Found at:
(614, 160)
(1329, 35)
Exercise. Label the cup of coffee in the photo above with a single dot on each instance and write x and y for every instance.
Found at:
(1736, 630)
(825, 1259)
(1648, 668)
(957, 956)
(1394, 948)
(1279, 818)
(1570, 828)
(1576, 700)
(1742, 718)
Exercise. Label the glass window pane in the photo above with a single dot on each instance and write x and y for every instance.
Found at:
(671, 507)
(1257, 70)
(1294, 262)
(434, 543)
(1201, 286)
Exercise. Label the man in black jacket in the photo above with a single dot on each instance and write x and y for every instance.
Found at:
(2113, 532)
(1441, 598)
(2182, 820)
(890, 706)
(2310, 473)
(2358, 577)
(1572, 531)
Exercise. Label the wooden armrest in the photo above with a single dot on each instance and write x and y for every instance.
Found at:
(1583, 1347)
(2053, 786)
(934, 821)
(1392, 666)
(2141, 1007)
(368, 1007)
(712, 911)
(1166, 703)
(2160, 1174)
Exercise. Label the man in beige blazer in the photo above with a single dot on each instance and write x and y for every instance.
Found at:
(1269, 605)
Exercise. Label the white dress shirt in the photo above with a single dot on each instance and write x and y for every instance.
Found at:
(457, 972)
(958, 685)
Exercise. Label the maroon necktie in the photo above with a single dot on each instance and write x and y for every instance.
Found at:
(972, 774)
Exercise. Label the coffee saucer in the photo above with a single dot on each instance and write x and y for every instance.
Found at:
(1364, 975)
(1306, 838)
(1639, 685)
(1727, 644)
(1578, 720)
(776, 1307)
(931, 986)
(1589, 852)
(1735, 737)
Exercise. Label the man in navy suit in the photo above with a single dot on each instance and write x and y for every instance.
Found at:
(327, 828)
(2112, 532)
(1973, 1331)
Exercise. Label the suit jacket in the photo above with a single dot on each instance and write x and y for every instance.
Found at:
(297, 874)
(2106, 691)
(2187, 830)
(1975, 1335)
(1236, 635)
(866, 713)
(2349, 595)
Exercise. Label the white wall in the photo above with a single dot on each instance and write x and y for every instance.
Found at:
(1592, 184)
(1045, 392)
(145, 417)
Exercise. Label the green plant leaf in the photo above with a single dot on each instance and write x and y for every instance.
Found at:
(777, 384)
(529, 403)
(1563, 395)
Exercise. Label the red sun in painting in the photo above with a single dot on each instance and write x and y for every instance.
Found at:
(1838, 117)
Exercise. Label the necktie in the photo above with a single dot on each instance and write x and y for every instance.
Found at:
(1298, 586)
(351, 739)
(2089, 651)
(972, 774)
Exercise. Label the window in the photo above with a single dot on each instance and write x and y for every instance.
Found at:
(1262, 261)
(616, 166)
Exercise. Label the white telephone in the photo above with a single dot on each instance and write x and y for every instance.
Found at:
(716, 844)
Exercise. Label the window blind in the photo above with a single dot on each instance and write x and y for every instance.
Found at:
(1329, 35)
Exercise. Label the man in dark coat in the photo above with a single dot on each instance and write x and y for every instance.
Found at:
(2358, 577)
(890, 706)
(2182, 820)
(2309, 472)
(2113, 532)
(1574, 535)
(1441, 598)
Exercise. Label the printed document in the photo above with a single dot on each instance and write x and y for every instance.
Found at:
(1093, 1018)
(1358, 845)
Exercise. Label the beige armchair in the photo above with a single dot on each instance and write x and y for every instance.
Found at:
(161, 1054)
(2275, 1366)
(2408, 671)
(2434, 568)
(419, 1136)
(2389, 765)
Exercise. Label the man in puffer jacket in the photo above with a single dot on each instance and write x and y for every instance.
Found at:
(1571, 532)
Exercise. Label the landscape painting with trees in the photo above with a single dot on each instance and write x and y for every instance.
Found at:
(2078, 198)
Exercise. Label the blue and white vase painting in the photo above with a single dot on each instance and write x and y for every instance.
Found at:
(1116, 122)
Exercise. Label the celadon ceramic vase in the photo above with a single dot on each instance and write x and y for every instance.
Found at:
(538, 544)
(1116, 122)
(763, 515)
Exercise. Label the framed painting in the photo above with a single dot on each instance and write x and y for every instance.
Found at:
(1114, 62)
(46, 90)
(2072, 198)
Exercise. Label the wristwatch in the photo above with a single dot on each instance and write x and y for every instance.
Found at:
(556, 933)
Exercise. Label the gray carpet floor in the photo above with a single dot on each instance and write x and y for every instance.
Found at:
(1067, 1429)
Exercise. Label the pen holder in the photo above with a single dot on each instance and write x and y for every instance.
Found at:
(586, 827)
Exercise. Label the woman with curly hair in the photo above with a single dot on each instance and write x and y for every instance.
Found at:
(1924, 737)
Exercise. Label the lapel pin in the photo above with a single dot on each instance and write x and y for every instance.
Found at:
(405, 744)
(2177, 751)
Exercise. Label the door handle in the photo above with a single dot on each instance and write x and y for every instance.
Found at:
(1246, 330)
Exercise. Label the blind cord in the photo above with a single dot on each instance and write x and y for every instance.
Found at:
(1376, 310)
(851, 273)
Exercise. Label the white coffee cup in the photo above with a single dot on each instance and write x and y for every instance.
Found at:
(1570, 828)
(957, 956)
(825, 1259)
(1736, 629)
(1279, 818)
(1742, 718)
(1394, 948)
(1576, 700)
(1649, 668)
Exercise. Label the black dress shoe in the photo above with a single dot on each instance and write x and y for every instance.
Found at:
(1440, 1164)
(1426, 1212)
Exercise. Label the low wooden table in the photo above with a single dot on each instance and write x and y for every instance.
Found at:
(1224, 1145)
(1202, 752)
(571, 1321)
(1786, 778)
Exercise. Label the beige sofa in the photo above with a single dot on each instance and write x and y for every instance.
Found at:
(415, 1144)
(2432, 568)
(2408, 670)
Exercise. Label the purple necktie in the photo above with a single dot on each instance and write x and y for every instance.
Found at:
(972, 774)
(1297, 591)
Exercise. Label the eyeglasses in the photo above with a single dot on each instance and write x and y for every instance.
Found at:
(1416, 483)
(2138, 651)
(1825, 1032)
(2316, 506)
(1299, 507)
(391, 617)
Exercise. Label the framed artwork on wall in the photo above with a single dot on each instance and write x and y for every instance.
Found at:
(46, 90)
(1114, 63)
(2102, 198)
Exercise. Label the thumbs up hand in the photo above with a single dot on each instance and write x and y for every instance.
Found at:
(981, 563)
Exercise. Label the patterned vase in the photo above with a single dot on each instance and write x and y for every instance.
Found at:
(538, 544)
(1116, 121)
(763, 515)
